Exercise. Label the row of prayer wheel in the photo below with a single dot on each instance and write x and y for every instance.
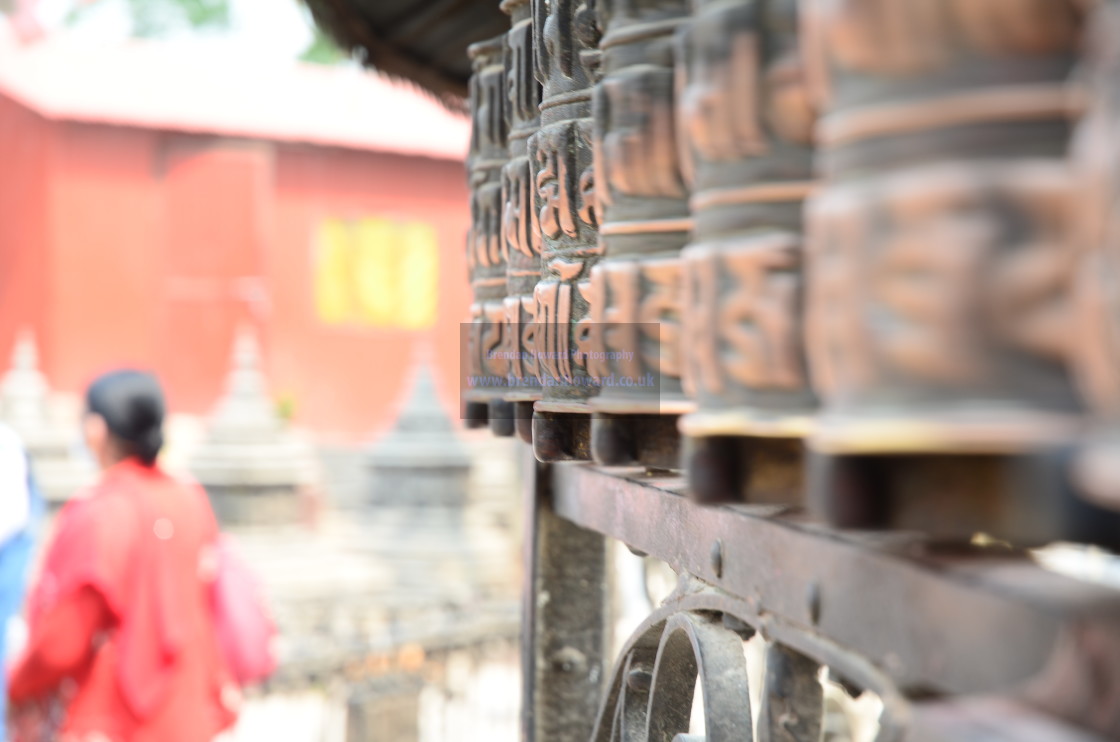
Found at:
(861, 249)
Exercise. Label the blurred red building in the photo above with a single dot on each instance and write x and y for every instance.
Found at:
(152, 200)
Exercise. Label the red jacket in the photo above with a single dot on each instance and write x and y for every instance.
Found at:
(123, 610)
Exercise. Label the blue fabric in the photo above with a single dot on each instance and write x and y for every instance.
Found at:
(15, 558)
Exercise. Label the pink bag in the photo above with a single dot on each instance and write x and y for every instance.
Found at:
(244, 627)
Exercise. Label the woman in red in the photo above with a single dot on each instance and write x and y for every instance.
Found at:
(121, 623)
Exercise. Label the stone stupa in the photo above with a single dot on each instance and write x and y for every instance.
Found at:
(252, 465)
(417, 494)
(53, 445)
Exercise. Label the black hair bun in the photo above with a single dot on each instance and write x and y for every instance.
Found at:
(132, 405)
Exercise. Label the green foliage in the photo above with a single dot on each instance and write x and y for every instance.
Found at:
(161, 18)
(156, 18)
(323, 50)
(286, 406)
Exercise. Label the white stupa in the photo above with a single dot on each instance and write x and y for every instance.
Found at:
(252, 465)
(416, 501)
(53, 445)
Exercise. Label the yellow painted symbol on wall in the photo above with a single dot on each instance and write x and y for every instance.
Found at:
(377, 272)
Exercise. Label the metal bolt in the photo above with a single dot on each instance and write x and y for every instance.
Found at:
(501, 415)
(524, 421)
(814, 596)
(612, 441)
(717, 557)
(476, 414)
(549, 438)
(639, 680)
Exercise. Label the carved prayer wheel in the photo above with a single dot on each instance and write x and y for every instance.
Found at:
(1096, 346)
(566, 62)
(521, 234)
(745, 131)
(485, 258)
(635, 291)
(938, 264)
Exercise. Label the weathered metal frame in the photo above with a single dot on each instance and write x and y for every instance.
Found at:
(951, 640)
(564, 616)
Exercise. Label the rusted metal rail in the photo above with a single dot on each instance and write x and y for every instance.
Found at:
(945, 635)
(814, 301)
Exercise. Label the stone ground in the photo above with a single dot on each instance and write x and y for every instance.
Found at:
(336, 602)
